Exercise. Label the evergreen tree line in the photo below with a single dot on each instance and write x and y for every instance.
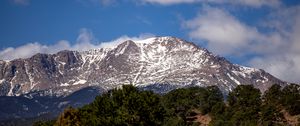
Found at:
(128, 106)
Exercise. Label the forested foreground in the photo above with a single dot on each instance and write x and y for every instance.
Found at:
(244, 106)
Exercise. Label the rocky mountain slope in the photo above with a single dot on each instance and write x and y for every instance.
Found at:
(157, 61)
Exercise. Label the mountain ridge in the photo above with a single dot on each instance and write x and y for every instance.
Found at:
(156, 60)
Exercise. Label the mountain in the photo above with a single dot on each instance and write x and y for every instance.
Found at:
(45, 84)
(159, 61)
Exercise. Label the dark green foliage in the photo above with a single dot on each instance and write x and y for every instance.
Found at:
(270, 110)
(271, 115)
(46, 123)
(181, 102)
(243, 108)
(70, 117)
(178, 104)
(131, 107)
(273, 95)
(246, 108)
(245, 103)
(215, 100)
(244, 96)
(291, 98)
(126, 106)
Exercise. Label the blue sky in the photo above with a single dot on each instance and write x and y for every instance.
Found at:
(50, 21)
(257, 33)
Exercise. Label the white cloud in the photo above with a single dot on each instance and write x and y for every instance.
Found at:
(284, 59)
(256, 3)
(278, 52)
(98, 2)
(85, 41)
(223, 32)
(107, 2)
(21, 2)
(284, 66)
(169, 2)
(252, 3)
(124, 38)
(30, 49)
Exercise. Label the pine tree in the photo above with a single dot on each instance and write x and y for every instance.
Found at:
(70, 117)
(291, 99)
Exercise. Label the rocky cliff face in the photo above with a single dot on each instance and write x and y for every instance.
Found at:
(146, 63)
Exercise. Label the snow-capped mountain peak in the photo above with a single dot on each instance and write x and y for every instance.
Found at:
(163, 61)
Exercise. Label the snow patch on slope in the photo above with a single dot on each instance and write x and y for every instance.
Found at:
(80, 82)
(247, 70)
(232, 78)
(2, 81)
(64, 84)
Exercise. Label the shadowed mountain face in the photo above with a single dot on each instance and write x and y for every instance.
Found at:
(34, 104)
(147, 63)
